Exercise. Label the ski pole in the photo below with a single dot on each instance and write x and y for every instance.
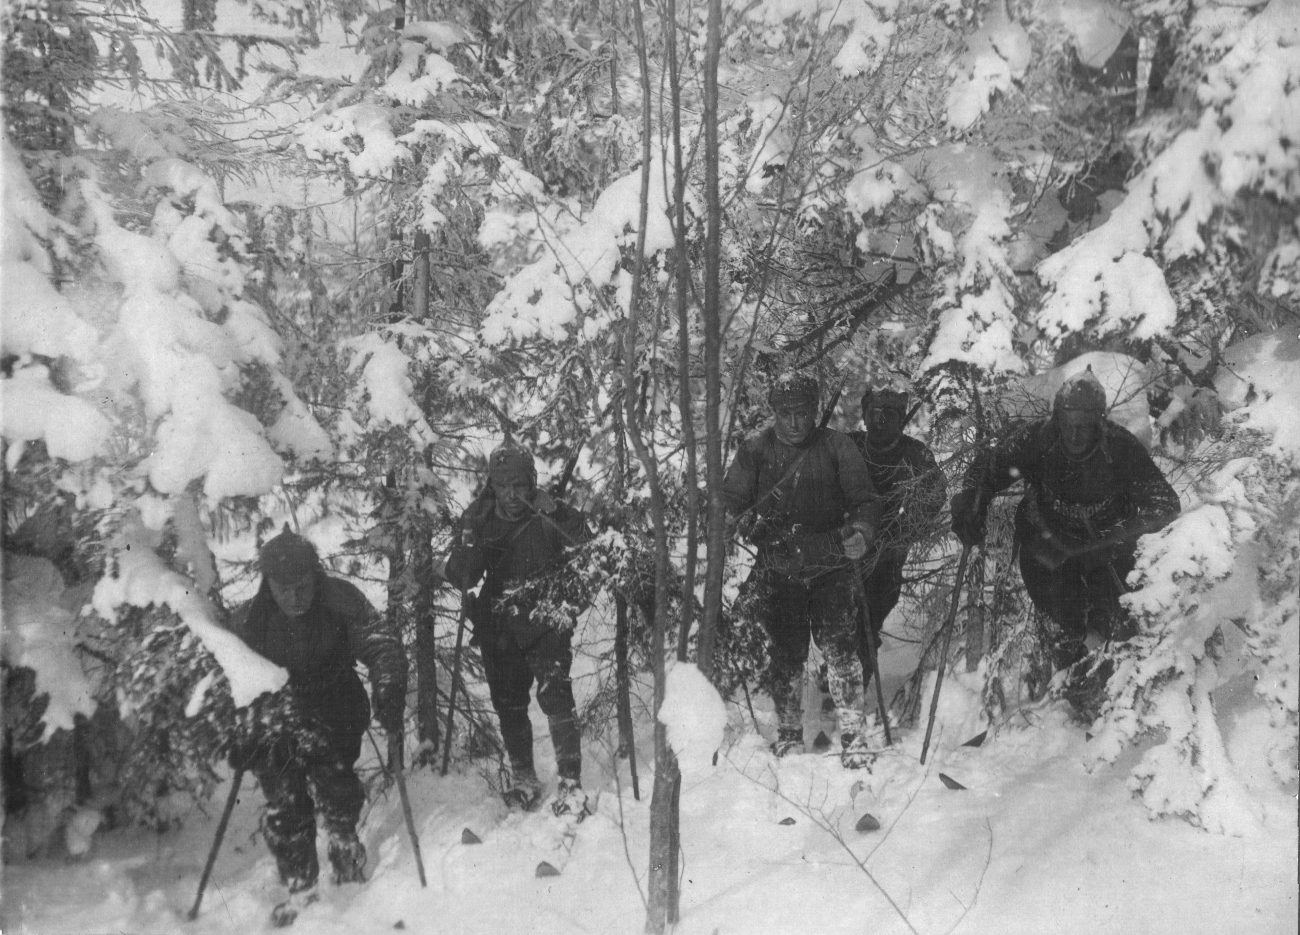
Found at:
(869, 640)
(216, 841)
(1110, 566)
(395, 767)
(943, 653)
(455, 681)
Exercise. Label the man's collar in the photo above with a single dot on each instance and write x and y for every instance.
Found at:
(886, 449)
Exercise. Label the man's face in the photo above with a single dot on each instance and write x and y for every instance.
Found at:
(1079, 430)
(884, 424)
(294, 597)
(514, 497)
(795, 423)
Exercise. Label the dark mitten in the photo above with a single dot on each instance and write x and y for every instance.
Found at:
(969, 516)
(243, 755)
(1098, 556)
(1113, 545)
(1048, 550)
(390, 706)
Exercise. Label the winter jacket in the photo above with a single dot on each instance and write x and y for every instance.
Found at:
(785, 493)
(1116, 492)
(321, 648)
(505, 554)
(910, 486)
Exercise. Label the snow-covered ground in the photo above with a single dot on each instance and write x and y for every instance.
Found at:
(1033, 843)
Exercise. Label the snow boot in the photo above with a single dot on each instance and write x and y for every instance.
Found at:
(348, 857)
(286, 912)
(1085, 687)
(524, 792)
(571, 800)
(854, 753)
(788, 740)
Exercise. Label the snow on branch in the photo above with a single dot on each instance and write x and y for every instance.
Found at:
(358, 134)
(695, 715)
(997, 55)
(1109, 281)
(869, 24)
(967, 228)
(546, 297)
(142, 578)
(386, 383)
(40, 633)
(1209, 615)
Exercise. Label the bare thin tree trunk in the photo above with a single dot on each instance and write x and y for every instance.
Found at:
(683, 276)
(420, 298)
(424, 610)
(660, 905)
(717, 546)
(622, 677)
(623, 688)
(396, 554)
(975, 614)
(396, 268)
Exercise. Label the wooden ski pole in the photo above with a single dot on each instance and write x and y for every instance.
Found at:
(943, 653)
(231, 799)
(455, 682)
(395, 767)
(622, 679)
(869, 640)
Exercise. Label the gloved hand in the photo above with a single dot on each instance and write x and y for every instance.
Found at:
(1049, 550)
(1102, 553)
(761, 531)
(855, 540)
(244, 754)
(390, 706)
(969, 516)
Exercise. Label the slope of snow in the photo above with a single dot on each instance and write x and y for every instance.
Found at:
(1033, 843)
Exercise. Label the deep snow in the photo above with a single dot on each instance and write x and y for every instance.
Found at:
(1034, 843)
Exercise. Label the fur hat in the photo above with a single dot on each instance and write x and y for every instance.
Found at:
(287, 557)
(794, 388)
(885, 398)
(1081, 391)
(512, 464)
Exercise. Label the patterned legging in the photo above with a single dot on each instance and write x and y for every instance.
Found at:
(290, 825)
(792, 611)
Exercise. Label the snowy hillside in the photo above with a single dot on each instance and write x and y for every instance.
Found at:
(1034, 843)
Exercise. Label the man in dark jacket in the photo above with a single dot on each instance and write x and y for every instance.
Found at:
(911, 490)
(513, 537)
(1091, 490)
(317, 627)
(803, 496)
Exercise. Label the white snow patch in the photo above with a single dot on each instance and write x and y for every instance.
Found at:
(870, 26)
(695, 715)
(386, 379)
(360, 134)
(41, 634)
(1265, 369)
(997, 55)
(545, 297)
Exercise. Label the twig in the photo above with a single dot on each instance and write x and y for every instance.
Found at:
(820, 819)
(622, 830)
(979, 884)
